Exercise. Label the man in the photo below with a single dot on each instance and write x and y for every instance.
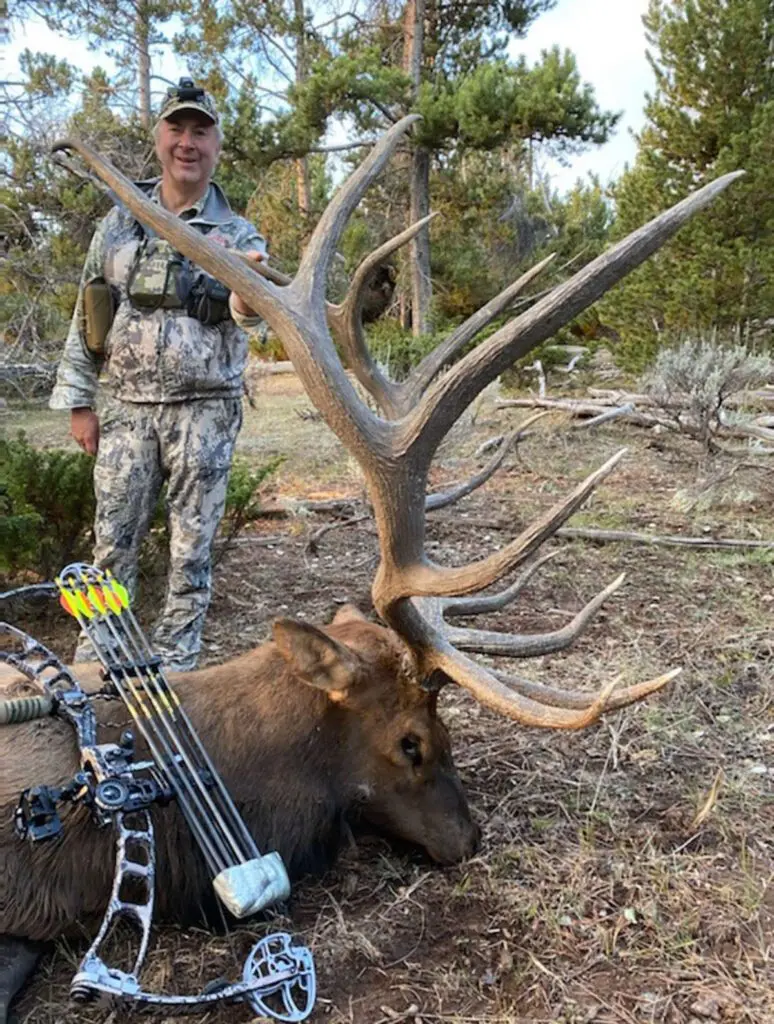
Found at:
(171, 354)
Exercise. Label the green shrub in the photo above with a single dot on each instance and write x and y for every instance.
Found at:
(47, 510)
(397, 348)
(47, 505)
(243, 501)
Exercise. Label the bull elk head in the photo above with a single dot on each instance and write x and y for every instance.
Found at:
(394, 445)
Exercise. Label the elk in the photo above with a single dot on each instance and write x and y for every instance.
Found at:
(318, 724)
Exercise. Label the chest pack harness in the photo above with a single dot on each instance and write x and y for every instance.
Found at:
(278, 979)
(158, 278)
(161, 278)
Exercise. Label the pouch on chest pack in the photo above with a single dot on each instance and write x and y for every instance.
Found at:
(160, 278)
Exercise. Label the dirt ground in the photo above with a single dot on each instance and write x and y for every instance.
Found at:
(626, 872)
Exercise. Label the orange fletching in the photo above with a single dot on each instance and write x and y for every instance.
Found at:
(112, 600)
(67, 603)
(83, 605)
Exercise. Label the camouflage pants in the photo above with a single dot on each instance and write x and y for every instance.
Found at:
(189, 445)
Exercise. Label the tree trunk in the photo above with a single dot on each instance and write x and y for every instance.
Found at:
(419, 182)
(421, 284)
(304, 198)
(303, 191)
(142, 40)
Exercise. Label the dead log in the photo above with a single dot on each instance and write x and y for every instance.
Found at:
(26, 378)
(615, 396)
(674, 540)
(596, 408)
(615, 536)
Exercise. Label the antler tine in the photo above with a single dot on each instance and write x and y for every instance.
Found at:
(313, 271)
(462, 607)
(576, 699)
(441, 499)
(530, 645)
(528, 703)
(490, 691)
(429, 368)
(396, 400)
(442, 403)
(345, 320)
(427, 580)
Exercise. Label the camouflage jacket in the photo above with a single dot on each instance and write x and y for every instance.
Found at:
(160, 355)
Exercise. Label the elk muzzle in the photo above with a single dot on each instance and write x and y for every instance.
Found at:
(432, 813)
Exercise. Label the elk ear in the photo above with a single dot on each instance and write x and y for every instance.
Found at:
(348, 613)
(317, 658)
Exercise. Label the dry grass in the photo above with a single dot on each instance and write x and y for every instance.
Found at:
(626, 872)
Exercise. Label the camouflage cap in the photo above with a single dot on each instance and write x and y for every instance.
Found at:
(187, 96)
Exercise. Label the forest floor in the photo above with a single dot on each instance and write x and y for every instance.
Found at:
(626, 872)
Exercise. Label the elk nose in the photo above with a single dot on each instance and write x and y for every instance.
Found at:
(460, 846)
(474, 841)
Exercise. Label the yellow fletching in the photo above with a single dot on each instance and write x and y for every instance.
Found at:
(83, 605)
(120, 591)
(112, 600)
(97, 599)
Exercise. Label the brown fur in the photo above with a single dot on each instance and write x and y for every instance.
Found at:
(305, 731)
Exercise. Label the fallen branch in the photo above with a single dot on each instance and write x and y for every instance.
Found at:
(596, 409)
(674, 540)
(612, 396)
(605, 417)
(284, 508)
(614, 536)
(313, 544)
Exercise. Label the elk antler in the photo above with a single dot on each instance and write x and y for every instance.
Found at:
(395, 450)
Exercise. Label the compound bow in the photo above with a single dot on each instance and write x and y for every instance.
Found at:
(119, 789)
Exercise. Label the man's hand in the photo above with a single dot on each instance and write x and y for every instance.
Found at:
(84, 426)
(238, 306)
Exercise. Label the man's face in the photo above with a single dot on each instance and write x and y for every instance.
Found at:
(187, 146)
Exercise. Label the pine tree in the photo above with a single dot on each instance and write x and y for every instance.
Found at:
(712, 112)
(48, 215)
(445, 61)
(127, 30)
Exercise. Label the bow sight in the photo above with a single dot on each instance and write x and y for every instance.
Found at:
(117, 788)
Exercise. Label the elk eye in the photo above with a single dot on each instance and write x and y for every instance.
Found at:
(412, 748)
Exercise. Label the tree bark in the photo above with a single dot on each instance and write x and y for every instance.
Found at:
(421, 284)
(419, 181)
(142, 40)
(303, 191)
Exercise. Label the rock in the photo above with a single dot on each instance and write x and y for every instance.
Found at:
(706, 1007)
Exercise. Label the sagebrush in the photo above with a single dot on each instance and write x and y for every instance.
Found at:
(694, 382)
